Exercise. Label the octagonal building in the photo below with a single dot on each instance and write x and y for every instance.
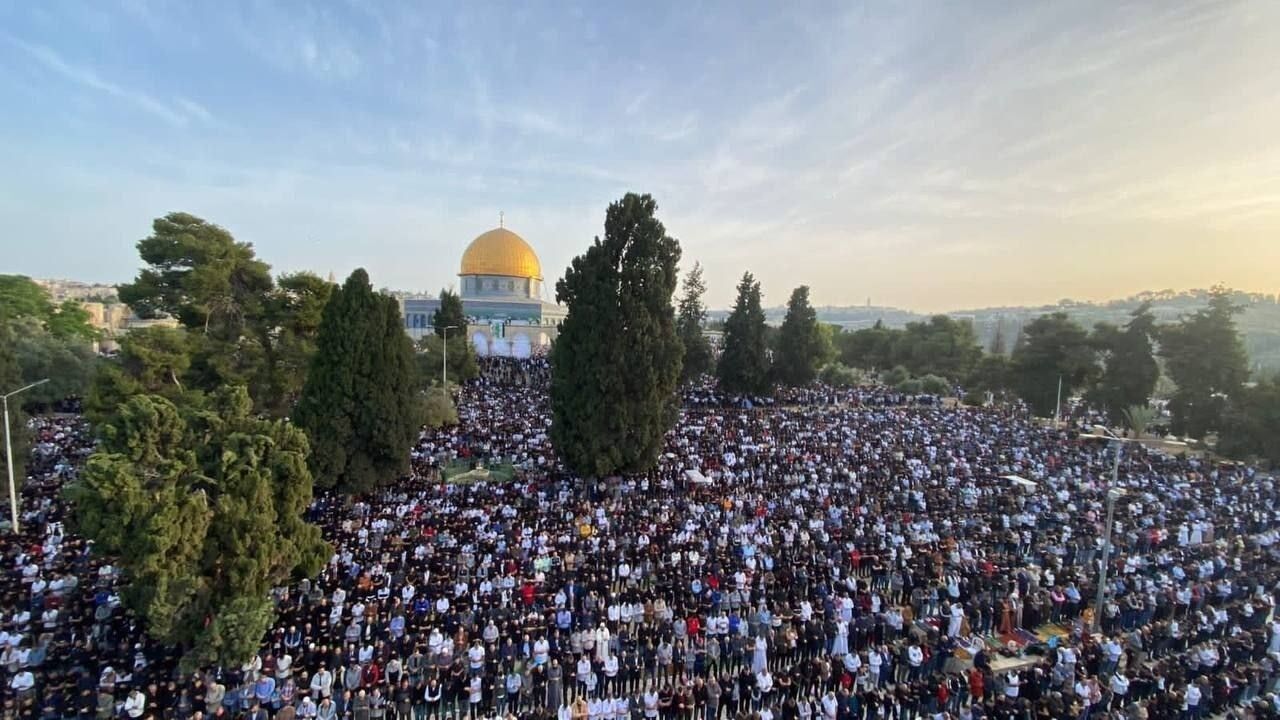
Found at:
(501, 285)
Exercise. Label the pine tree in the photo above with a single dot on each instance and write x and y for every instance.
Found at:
(616, 361)
(203, 510)
(1054, 348)
(1130, 371)
(744, 361)
(449, 315)
(1206, 360)
(800, 342)
(359, 405)
(690, 317)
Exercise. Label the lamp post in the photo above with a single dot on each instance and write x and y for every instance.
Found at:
(1113, 493)
(8, 453)
(444, 360)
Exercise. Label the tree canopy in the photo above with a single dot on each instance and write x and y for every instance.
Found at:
(802, 345)
(203, 508)
(449, 315)
(359, 406)
(197, 273)
(1129, 371)
(941, 346)
(1206, 360)
(744, 359)
(23, 299)
(691, 315)
(243, 328)
(462, 359)
(1251, 424)
(1054, 346)
(616, 362)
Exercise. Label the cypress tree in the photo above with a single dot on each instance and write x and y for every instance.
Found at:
(203, 508)
(800, 343)
(449, 314)
(359, 406)
(689, 319)
(616, 362)
(744, 363)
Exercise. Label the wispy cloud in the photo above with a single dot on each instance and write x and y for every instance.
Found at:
(177, 113)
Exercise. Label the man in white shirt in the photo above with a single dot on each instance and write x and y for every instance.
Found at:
(1119, 690)
(135, 704)
(651, 704)
(915, 656)
(1191, 699)
(475, 658)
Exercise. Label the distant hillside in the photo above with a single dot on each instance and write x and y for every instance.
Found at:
(1259, 323)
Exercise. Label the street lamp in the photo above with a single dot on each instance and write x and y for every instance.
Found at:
(444, 360)
(1113, 493)
(8, 453)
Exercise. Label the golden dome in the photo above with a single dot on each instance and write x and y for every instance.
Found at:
(501, 252)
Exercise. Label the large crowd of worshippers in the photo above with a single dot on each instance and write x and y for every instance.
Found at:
(828, 555)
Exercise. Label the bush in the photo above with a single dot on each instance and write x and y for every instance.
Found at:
(438, 410)
(895, 377)
(840, 375)
(935, 385)
(910, 386)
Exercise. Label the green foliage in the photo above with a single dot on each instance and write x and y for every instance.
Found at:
(690, 318)
(895, 376)
(22, 299)
(11, 379)
(438, 409)
(840, 375)
(286, 331)
(1138, 418)
(1251, 426)
(744, 359)
(359, 406)
(71, 322)
(870, 348)
(802, 346)
(450, 314)
(910, 386)
(244, 329)
(152, 361)
(1129, 366)
(942, 346)
(616, 362)
(935, 385)
(462, 360)
(1054, 346)
(203, 510)
(1206, 359)
(68, 363)
(990, 374)
(939, 346)
(198, 274)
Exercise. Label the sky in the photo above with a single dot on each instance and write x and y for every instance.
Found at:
(925, 155)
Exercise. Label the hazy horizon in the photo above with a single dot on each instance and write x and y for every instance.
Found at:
(933, 157)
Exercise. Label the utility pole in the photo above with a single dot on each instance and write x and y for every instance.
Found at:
(1113, 493)
(1057, 406)
(8, 454)
(444, 361)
